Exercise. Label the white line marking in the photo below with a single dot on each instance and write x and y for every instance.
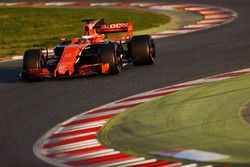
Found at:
(216, 16)
(56, 151)
(212, 21)
(58, 3)
(140, 163)
(17, 57)
(54, 140)
(94, 115)
(11, 4)
(87, 125)
(136, 101)
(119, 163)
(180, 6)
(189, 165)
(72, 145)
(63, 130)
(163, 7)
(197, 8)
(91, 155)
(102, 4)
(196, 26)
(212, 12)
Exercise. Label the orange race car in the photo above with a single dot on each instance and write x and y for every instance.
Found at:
(91, 54)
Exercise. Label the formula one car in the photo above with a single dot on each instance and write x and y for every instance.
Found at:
(92, 53)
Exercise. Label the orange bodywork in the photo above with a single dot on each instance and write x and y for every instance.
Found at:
(68, 59)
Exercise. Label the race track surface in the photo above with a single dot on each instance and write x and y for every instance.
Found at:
(28, 110)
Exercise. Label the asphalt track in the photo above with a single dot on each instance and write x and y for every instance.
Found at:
(28, 110)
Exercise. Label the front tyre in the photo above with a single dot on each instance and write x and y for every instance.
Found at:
(33, 58)
(142, 50)
(110, 54)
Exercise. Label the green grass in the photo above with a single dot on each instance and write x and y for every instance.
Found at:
(26, 27)
(207, 118)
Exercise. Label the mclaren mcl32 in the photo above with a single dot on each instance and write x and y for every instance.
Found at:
(93, 53)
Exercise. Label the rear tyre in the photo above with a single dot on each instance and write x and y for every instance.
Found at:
(109, 53)
(32, 59)
(142, 50)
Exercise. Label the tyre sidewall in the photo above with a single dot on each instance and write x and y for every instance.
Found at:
(142, 50)
(109, 53)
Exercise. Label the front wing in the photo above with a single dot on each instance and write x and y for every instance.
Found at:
(85, 70)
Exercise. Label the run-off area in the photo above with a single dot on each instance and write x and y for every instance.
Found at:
(211, 117)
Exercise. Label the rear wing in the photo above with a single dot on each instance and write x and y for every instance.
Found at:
(118, 27)
(98, 26)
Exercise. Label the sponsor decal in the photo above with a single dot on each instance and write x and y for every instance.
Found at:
(68, 55)
(118, 25)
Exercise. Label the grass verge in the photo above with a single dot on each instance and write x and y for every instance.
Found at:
(207, 118)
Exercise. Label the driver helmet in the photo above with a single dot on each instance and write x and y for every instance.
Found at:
(86, 38)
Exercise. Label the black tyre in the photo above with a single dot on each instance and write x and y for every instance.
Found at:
(109, 53)
(142, 50)
(32, 59)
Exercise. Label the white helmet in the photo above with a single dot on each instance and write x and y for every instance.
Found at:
(87, 37)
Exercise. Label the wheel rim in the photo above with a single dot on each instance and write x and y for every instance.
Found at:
(118, 63)
(151, 50)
